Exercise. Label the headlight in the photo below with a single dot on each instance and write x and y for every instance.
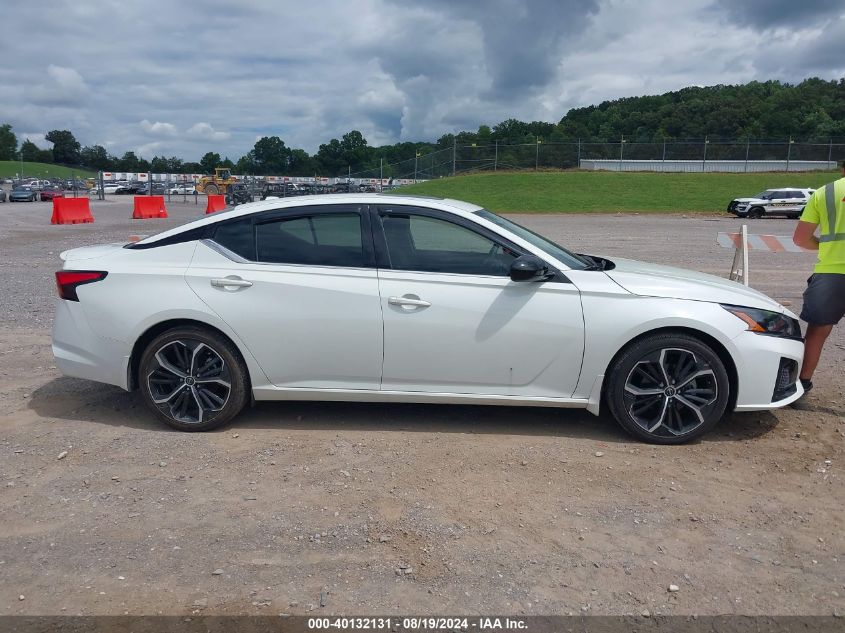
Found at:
(767, 322)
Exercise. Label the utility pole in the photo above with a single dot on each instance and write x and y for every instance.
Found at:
(789, 152)
(747, 148)
(381, 175)
(578, 164)
(496, 156)
(537, 155)
(621, 150)
(416, 159)
(454, 152)
(829, 149)
(704, 158)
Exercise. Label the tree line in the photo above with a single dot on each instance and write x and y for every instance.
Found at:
(811, 110)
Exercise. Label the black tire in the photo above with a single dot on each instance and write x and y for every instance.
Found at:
(667, 415)
(182, 374)
(211, 190)
(755, 213)
(793, 216)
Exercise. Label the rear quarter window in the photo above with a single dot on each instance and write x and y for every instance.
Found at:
(238, 236)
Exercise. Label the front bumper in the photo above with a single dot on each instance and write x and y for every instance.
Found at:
(758, 361)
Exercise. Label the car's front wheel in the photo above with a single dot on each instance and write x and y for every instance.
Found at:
(668, 389)
(193, 379)
(756, 213)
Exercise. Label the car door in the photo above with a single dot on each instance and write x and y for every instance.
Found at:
(778, 202)
(454, 322)
(300, 288)
(797, 202)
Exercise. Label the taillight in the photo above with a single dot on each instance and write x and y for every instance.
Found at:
(67, 281)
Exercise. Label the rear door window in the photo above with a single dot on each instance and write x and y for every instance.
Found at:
(329, 239)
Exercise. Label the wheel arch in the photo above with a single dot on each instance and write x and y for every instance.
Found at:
(718, 348)
(153, 331)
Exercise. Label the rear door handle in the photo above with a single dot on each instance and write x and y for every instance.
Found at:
(229, 282)
(408, 302)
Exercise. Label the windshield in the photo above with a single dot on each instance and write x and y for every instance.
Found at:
(558, 252)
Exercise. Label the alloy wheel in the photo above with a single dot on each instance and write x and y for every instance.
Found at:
(670, 392)
(190, 381)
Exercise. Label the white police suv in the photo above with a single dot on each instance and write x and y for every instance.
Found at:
(787, 201)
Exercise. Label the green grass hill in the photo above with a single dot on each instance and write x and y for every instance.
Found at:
(11, 169)
(579, 191)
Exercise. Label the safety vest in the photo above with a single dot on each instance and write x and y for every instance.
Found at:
(826, 208)
(834, 209)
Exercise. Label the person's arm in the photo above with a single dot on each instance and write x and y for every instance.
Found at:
(805, 237)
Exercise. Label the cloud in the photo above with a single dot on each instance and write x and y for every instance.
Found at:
(393, 69)
(37, 138)
(205, 131)
(158, 128)
(772, 13)
(148, 150)
(61, 87)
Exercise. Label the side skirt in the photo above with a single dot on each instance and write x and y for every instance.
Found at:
(421, 397)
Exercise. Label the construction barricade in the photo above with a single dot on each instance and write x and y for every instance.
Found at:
(743, 243)
(71, 211)
(215, 203)
(147, 207)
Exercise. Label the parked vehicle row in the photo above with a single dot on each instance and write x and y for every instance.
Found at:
(288, 189)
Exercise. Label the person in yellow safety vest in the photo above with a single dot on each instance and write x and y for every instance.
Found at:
(824, 298)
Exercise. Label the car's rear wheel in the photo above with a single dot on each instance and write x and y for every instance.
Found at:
(668, 389)
(756, 213)
(193, 379)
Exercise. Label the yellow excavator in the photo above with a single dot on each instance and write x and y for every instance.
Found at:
(218, 183)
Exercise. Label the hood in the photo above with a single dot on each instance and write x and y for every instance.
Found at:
(89, 252)
(654, 280)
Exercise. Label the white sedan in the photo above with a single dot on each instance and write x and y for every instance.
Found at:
(182, 190)
(403, 299)
(109, 187)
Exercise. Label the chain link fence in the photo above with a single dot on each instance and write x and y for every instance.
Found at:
(700, 155)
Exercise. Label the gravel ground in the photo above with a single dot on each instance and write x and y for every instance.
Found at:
(407, 508)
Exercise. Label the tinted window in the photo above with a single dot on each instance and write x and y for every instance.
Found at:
(238, 237)
(417, 242)
(333, 239)
(572, 260)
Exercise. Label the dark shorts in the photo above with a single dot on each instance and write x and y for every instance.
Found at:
(824, 299)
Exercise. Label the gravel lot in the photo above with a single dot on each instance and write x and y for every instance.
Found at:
(406, 508)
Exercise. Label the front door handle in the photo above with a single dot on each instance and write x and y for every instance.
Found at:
(405, 302)
(231, 282)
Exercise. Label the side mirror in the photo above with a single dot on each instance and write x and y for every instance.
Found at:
(528, 268)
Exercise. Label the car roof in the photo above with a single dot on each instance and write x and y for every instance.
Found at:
(789, 189)
(445, 204)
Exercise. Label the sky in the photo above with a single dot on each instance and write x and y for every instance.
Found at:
(184, 78)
